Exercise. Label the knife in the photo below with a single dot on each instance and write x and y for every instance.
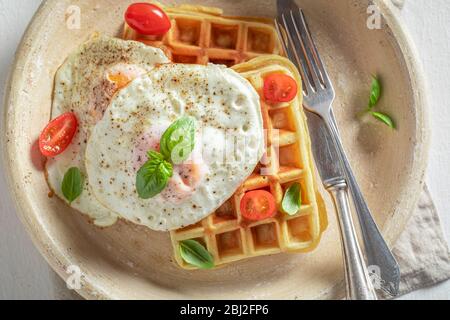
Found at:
(358, 283)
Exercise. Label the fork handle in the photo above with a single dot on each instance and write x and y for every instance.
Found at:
(358, 284)
(377, 251)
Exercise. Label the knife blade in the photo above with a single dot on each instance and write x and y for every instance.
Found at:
(325, 153)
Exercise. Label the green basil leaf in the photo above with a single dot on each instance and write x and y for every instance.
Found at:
(72, 185)
(155, 155)
(292, 200)
(375, 92)
(196, 254)
(154, 176)
(178, 141)
(387, 120)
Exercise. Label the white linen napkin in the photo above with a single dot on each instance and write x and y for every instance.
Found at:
(422, 251)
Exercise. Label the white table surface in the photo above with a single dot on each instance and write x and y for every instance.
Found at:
(25, 275)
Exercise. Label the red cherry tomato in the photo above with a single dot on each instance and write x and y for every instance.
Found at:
(147, 19)
(258, 205)
(280, 88)
(58, 135)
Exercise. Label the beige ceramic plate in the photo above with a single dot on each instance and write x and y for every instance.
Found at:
(130, 262)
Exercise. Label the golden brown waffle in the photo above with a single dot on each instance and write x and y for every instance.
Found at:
(202, 35)
(225, 233)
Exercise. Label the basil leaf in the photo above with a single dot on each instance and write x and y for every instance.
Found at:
(154, 155)
(387, 120)
(154, 176)
(196, 254)
(292, 200)
(72, 184)
(178, 141)
(375, 92)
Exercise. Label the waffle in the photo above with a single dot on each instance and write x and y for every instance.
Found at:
(201, 35)
(225, 233)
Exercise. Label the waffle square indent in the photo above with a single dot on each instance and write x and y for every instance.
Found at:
(288, 158)
(260, 40)
(299, 229)
(282, 119)
(265, 236)
(224, 36)
(226, 212)
(187, 31)
(229, 244)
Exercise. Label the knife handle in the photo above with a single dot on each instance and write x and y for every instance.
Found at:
(359, 285)
(377, 251)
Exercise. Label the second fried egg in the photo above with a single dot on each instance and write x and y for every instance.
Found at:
(85, 85)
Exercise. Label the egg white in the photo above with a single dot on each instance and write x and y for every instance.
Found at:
(224, 105)
(85, 85)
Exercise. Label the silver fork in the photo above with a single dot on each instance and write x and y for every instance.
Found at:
(319, 95)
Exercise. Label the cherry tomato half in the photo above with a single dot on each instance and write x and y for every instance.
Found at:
(258, 205)
(58, 135)
(147, 19)
(280, 88)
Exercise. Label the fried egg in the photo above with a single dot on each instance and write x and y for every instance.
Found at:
(85, 85)
(229, 142)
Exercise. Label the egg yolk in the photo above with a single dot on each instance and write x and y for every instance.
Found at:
(119, 79)
(121, 74)
(114, 79)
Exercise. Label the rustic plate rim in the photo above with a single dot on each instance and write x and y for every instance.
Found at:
(90, 290)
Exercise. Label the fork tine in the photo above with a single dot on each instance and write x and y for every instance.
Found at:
(296, 56)
(302, 38)
(301, 51)
(290, 53)
(305, 31)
